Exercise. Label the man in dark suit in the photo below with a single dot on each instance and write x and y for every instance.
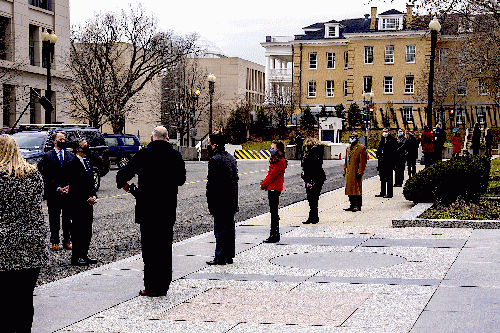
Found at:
(386, 155)
(222, 198)
(160, 170)
(82, 196)
(54, 168)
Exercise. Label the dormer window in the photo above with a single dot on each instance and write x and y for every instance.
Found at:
(390, 20)
(391, 23)
(332, 30)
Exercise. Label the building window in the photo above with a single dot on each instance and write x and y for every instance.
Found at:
(330, 60)
(44, 4)
(390, 23)
(389, 54)
(345, 88)
(346, 60)
(443, 57)
(311, 89)
(387, 84)
(32, 48)
(481, 87)
(4, 38)
(313, 61)
(330, 89)
(368, 54)
(462, 88)
(410, 53)
(481, 114)
(367, 84)
(408, 114)
(331, 31)
(409, 84)
(460, 116)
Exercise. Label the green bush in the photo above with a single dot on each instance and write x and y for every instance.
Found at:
(465, 177)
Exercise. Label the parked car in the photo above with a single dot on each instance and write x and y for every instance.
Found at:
(122, 147)
(35, 140)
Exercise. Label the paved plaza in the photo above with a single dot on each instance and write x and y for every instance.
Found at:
(350, 273)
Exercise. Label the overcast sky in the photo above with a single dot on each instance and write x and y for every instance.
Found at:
(238, 28)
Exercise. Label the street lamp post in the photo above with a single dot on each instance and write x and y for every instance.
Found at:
(211, 83)
(368, 103)
(193, 97)
(434, 27)
(49, 39)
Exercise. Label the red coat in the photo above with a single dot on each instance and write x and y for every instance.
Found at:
(275, 176)
(456, 140)
(427, 142)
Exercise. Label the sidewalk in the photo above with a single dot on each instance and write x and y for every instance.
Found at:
(350, 273)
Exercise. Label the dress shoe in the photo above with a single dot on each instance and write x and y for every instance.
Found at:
(145, 293)
(91, 261)
(272, 239)
(67, 246)
(216, 262)
(55, 247)
(229, 261)
(349, 209)
(380, 195)
(79, 262)
(355, 209)
(387, 196)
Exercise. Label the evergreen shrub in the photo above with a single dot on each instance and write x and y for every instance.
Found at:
(446, 181)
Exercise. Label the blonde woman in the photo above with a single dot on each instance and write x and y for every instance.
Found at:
(22, 236)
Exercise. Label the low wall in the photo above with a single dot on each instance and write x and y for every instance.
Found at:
(188, 153)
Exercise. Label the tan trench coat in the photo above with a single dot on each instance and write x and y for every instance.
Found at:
(355, 163)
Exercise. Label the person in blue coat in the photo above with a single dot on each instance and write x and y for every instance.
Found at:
(222, 198)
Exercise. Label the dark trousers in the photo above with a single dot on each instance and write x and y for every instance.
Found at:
(81, 233)
(313, 194)
(355, 201)
(386, 181)
(438, 155)
(17, 298)
(224, 231)
(399, 173)
(156, 243)
(274, 200)
(428, 159)
(55, 205)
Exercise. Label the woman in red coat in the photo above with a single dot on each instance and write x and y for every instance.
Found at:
(456, 140)
(427, 146)
(273, 184)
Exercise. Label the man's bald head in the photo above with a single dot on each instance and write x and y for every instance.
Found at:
(160, 133)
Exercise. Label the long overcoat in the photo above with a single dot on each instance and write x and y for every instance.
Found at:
(355, 163)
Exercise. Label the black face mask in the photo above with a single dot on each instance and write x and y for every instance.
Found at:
(86, 150)
(61, 144)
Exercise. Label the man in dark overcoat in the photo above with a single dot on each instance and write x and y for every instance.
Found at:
(160, 170)
(354, 168)
(82, 198)
(222, 198)
(54, 168)
(386, 158)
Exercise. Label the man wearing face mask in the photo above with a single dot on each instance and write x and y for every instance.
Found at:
(354, 168)
(82, 197)
(386, 158)
(54, 168)
(400, 160)
(222, 198)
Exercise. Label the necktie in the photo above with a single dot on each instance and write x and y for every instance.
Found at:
(60, 155)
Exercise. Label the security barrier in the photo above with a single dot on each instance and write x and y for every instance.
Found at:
(372, 154)
(245, 154)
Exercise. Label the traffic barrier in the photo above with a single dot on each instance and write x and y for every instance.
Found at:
(245, 154)
(372, 153)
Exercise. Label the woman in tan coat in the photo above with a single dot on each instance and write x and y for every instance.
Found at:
(354, 168)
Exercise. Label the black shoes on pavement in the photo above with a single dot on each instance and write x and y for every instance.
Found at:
(380, 195)
(272, 239)
(220, 262)
(83, 261)
(352, 209)
(145, 293)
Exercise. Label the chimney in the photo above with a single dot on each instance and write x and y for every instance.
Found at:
(409, 15)
(373, 23)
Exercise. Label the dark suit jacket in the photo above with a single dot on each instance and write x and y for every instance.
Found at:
(160, 170)
(53, 173)
(386, 153)
(81, 185)
(222, 184)
(312, 165)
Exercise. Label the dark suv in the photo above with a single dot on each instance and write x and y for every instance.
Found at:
(35, 140)
(122, 147)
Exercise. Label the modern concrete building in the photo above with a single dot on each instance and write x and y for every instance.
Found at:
(22, 62)
(383, 55)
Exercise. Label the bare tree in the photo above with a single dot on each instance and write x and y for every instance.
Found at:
(113, 57)
(279, 106)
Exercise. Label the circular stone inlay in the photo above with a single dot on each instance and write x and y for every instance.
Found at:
(338, 260)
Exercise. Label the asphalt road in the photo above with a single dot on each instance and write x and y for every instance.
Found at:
(116, 235)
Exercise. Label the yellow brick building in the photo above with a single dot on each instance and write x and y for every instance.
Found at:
(341, 62)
